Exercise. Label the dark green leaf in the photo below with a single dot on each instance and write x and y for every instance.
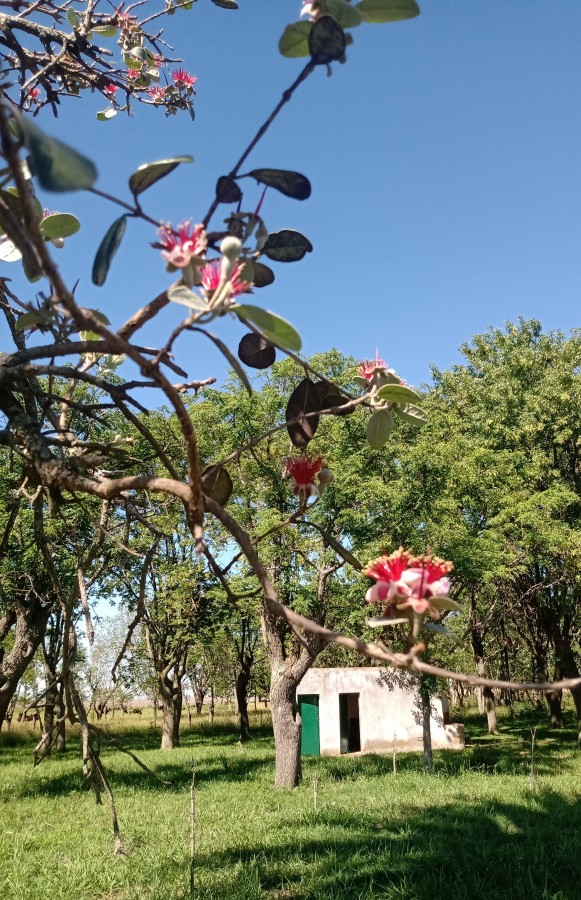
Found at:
(294, 41)
(263, 276)
(13, 203)
(303, 401)
(398, 393)
(217, 484)
(59, 225)
(229, 356)
(149, 173)
(227, 191)
(326, 41)
(379, 428)
(287, 246)
(272, 326)
(225, 4)
(255, 351)
(377, 11)
(107, 250)
(58, 167)
(346, 15)
(330, 396)
(292, 184)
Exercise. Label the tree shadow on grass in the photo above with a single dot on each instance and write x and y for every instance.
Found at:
(464, 852)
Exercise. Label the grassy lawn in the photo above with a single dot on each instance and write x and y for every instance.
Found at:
(479, 827)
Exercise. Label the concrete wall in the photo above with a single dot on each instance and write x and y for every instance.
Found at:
(389, 710)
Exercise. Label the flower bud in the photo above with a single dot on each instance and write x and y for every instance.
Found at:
(231, 248)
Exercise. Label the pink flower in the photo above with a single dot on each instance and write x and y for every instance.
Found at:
(302, 469)
(405, 581)
(368, 367)
(180, 246)
(180, 76)
(132, 74)
(33, 94)
(110, 89)
(212, 272)
(157, 93)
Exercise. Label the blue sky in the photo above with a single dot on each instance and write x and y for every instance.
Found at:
(444, 159)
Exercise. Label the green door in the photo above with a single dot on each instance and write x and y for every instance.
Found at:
(309, 713)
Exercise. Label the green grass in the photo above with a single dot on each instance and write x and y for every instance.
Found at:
(479, 827)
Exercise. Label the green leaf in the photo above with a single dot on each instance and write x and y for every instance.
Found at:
(287, 246)
(382, 621)
(58, 167)
(107, 250)
(225, 4)
(73, 18)
(149, 173)
(101, 317)
(379, 428)
(295, 40)
(346, 15)
(411, 414)
(397, 393)
(278, 330)
(10, 199)
(59, 225)
(90, 336)
(106, 114)
(30, 320)
(292, 184)
(104, 31)
(377, 11)
(180, 293)
(326, 41)
(445, 603)
(360, 382)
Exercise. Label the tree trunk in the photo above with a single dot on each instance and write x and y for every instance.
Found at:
(287, 728)
(60, 712)
(485, 695)
(171, 699)
(211, 707)
(199, 700)
(427, 730)
(30, 628)
(242, 682)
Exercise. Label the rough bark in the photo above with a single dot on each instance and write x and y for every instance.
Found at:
(242, 682)
(171, 698)
(427, 730)
(30, 628)
(286, 673)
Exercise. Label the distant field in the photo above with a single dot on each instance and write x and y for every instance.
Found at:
(480, 827)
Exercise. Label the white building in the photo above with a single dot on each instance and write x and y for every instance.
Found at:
(369, 709)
